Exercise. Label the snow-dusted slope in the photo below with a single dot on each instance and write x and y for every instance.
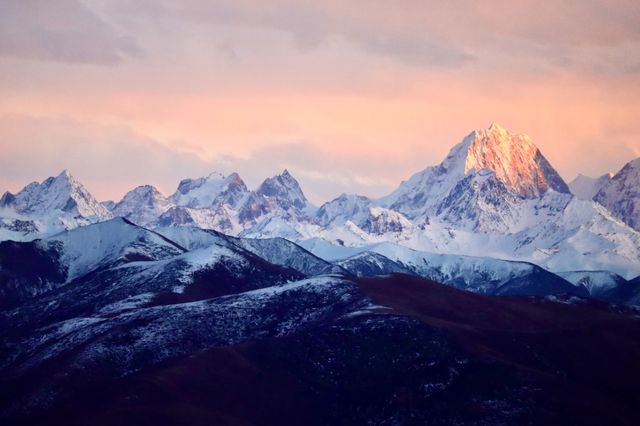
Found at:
(478, 274)
(621, 194)
(89, 248)
(596, 282)
(606, 286)
(115, 261)
(277, 251)
(368, 264)
(28, 269)
(138, 334)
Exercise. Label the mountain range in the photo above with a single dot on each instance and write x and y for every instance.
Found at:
(483, 290)
(494, 195)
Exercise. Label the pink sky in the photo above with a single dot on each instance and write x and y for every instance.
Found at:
(349, 98)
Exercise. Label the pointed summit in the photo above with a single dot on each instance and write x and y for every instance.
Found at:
(62, 192)
(65, 174)
(514, 159)
(480, 184)
(285, 189)
(142, 205)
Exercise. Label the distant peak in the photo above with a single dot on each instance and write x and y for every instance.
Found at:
(285, 188)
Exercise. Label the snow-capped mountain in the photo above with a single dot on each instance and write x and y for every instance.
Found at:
(362, 213)
(142, 205)
(219, 202)
(62, 192)
(285, 191)
(213, 190)
(55, 204)
(621, 194)
(346, 207)
(585, 187)
(480, 182)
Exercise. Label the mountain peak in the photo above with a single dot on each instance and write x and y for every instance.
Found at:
(285, 189)
(514, 159)
(142, 205)
(62, 192)
(66, 174)
(209, 191)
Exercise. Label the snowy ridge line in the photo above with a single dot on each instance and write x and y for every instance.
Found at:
(494, 195)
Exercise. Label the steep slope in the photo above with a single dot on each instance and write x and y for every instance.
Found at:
(115, 241)
(30, 269)
(16, 227)
(621, 194)
(285, 191)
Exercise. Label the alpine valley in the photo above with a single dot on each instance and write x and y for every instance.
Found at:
(483, 291)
